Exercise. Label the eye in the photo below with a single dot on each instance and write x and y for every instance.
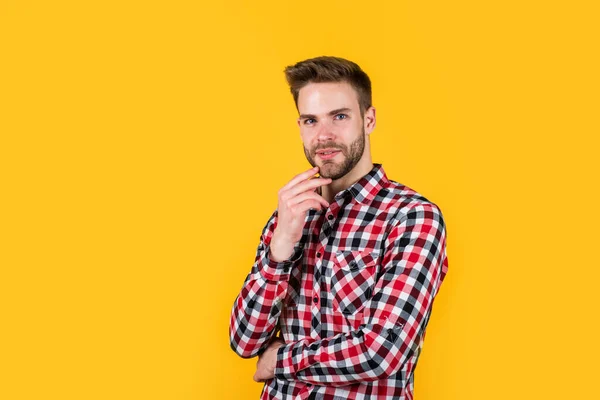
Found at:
(341, 115)
(307, 121)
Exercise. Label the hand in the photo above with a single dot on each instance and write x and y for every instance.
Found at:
(265, 366)
(295, 199)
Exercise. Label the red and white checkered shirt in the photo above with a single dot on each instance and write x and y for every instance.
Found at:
(353, 301)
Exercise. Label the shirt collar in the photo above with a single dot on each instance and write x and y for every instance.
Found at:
(367, 187)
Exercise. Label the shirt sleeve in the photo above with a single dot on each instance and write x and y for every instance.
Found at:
(257, 308)
(394, 319)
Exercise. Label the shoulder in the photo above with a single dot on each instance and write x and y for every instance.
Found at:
(402, 202)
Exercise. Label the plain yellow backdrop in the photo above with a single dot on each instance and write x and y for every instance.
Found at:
(143, 144)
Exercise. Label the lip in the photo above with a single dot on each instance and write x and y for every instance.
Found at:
(334, 152)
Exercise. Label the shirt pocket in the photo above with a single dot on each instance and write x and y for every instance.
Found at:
(353, 279)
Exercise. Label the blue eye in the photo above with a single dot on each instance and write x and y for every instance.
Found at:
(308, 119)
(342, 115)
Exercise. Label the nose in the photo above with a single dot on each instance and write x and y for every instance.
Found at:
(326, 131)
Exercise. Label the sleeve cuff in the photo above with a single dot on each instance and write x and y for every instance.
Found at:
(280, 270)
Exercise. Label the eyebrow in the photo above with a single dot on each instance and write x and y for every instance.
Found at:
(332, 112)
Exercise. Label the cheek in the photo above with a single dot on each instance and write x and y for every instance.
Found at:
(307, 137)
(357, 131)
(358, 126)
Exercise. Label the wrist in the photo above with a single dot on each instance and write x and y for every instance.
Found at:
(281, 248)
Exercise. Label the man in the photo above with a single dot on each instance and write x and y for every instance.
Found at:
(348, 265)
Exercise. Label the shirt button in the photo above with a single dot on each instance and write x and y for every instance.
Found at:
(316, 299)
(330, 217)
(319, 254)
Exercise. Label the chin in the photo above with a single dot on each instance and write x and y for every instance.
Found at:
(330, 171)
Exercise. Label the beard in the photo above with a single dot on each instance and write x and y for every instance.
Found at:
(331, 169)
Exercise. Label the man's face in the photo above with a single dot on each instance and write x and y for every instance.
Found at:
(331, 127)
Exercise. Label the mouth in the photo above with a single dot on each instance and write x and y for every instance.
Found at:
(326, 154)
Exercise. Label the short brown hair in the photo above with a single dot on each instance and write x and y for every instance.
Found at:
(330, 69)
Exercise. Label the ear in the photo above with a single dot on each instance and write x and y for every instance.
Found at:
(370, 120)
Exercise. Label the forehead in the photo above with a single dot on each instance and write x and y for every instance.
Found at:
(320, 98)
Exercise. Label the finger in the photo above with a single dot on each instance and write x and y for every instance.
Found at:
(305, 196)
(307, 205)
(258, 377)
(301, 177)
(307, 185)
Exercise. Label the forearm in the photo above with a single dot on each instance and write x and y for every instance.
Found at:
(257, 308)
(370, 353)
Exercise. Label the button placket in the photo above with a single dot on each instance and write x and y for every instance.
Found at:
(317, 288)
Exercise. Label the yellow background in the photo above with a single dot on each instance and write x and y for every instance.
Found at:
(143, 143)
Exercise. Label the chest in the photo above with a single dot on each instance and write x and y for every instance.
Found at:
(342, 261)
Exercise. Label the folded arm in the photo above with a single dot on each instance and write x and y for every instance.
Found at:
(393, 320)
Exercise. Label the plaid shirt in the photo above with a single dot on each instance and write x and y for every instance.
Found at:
(353, 301)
